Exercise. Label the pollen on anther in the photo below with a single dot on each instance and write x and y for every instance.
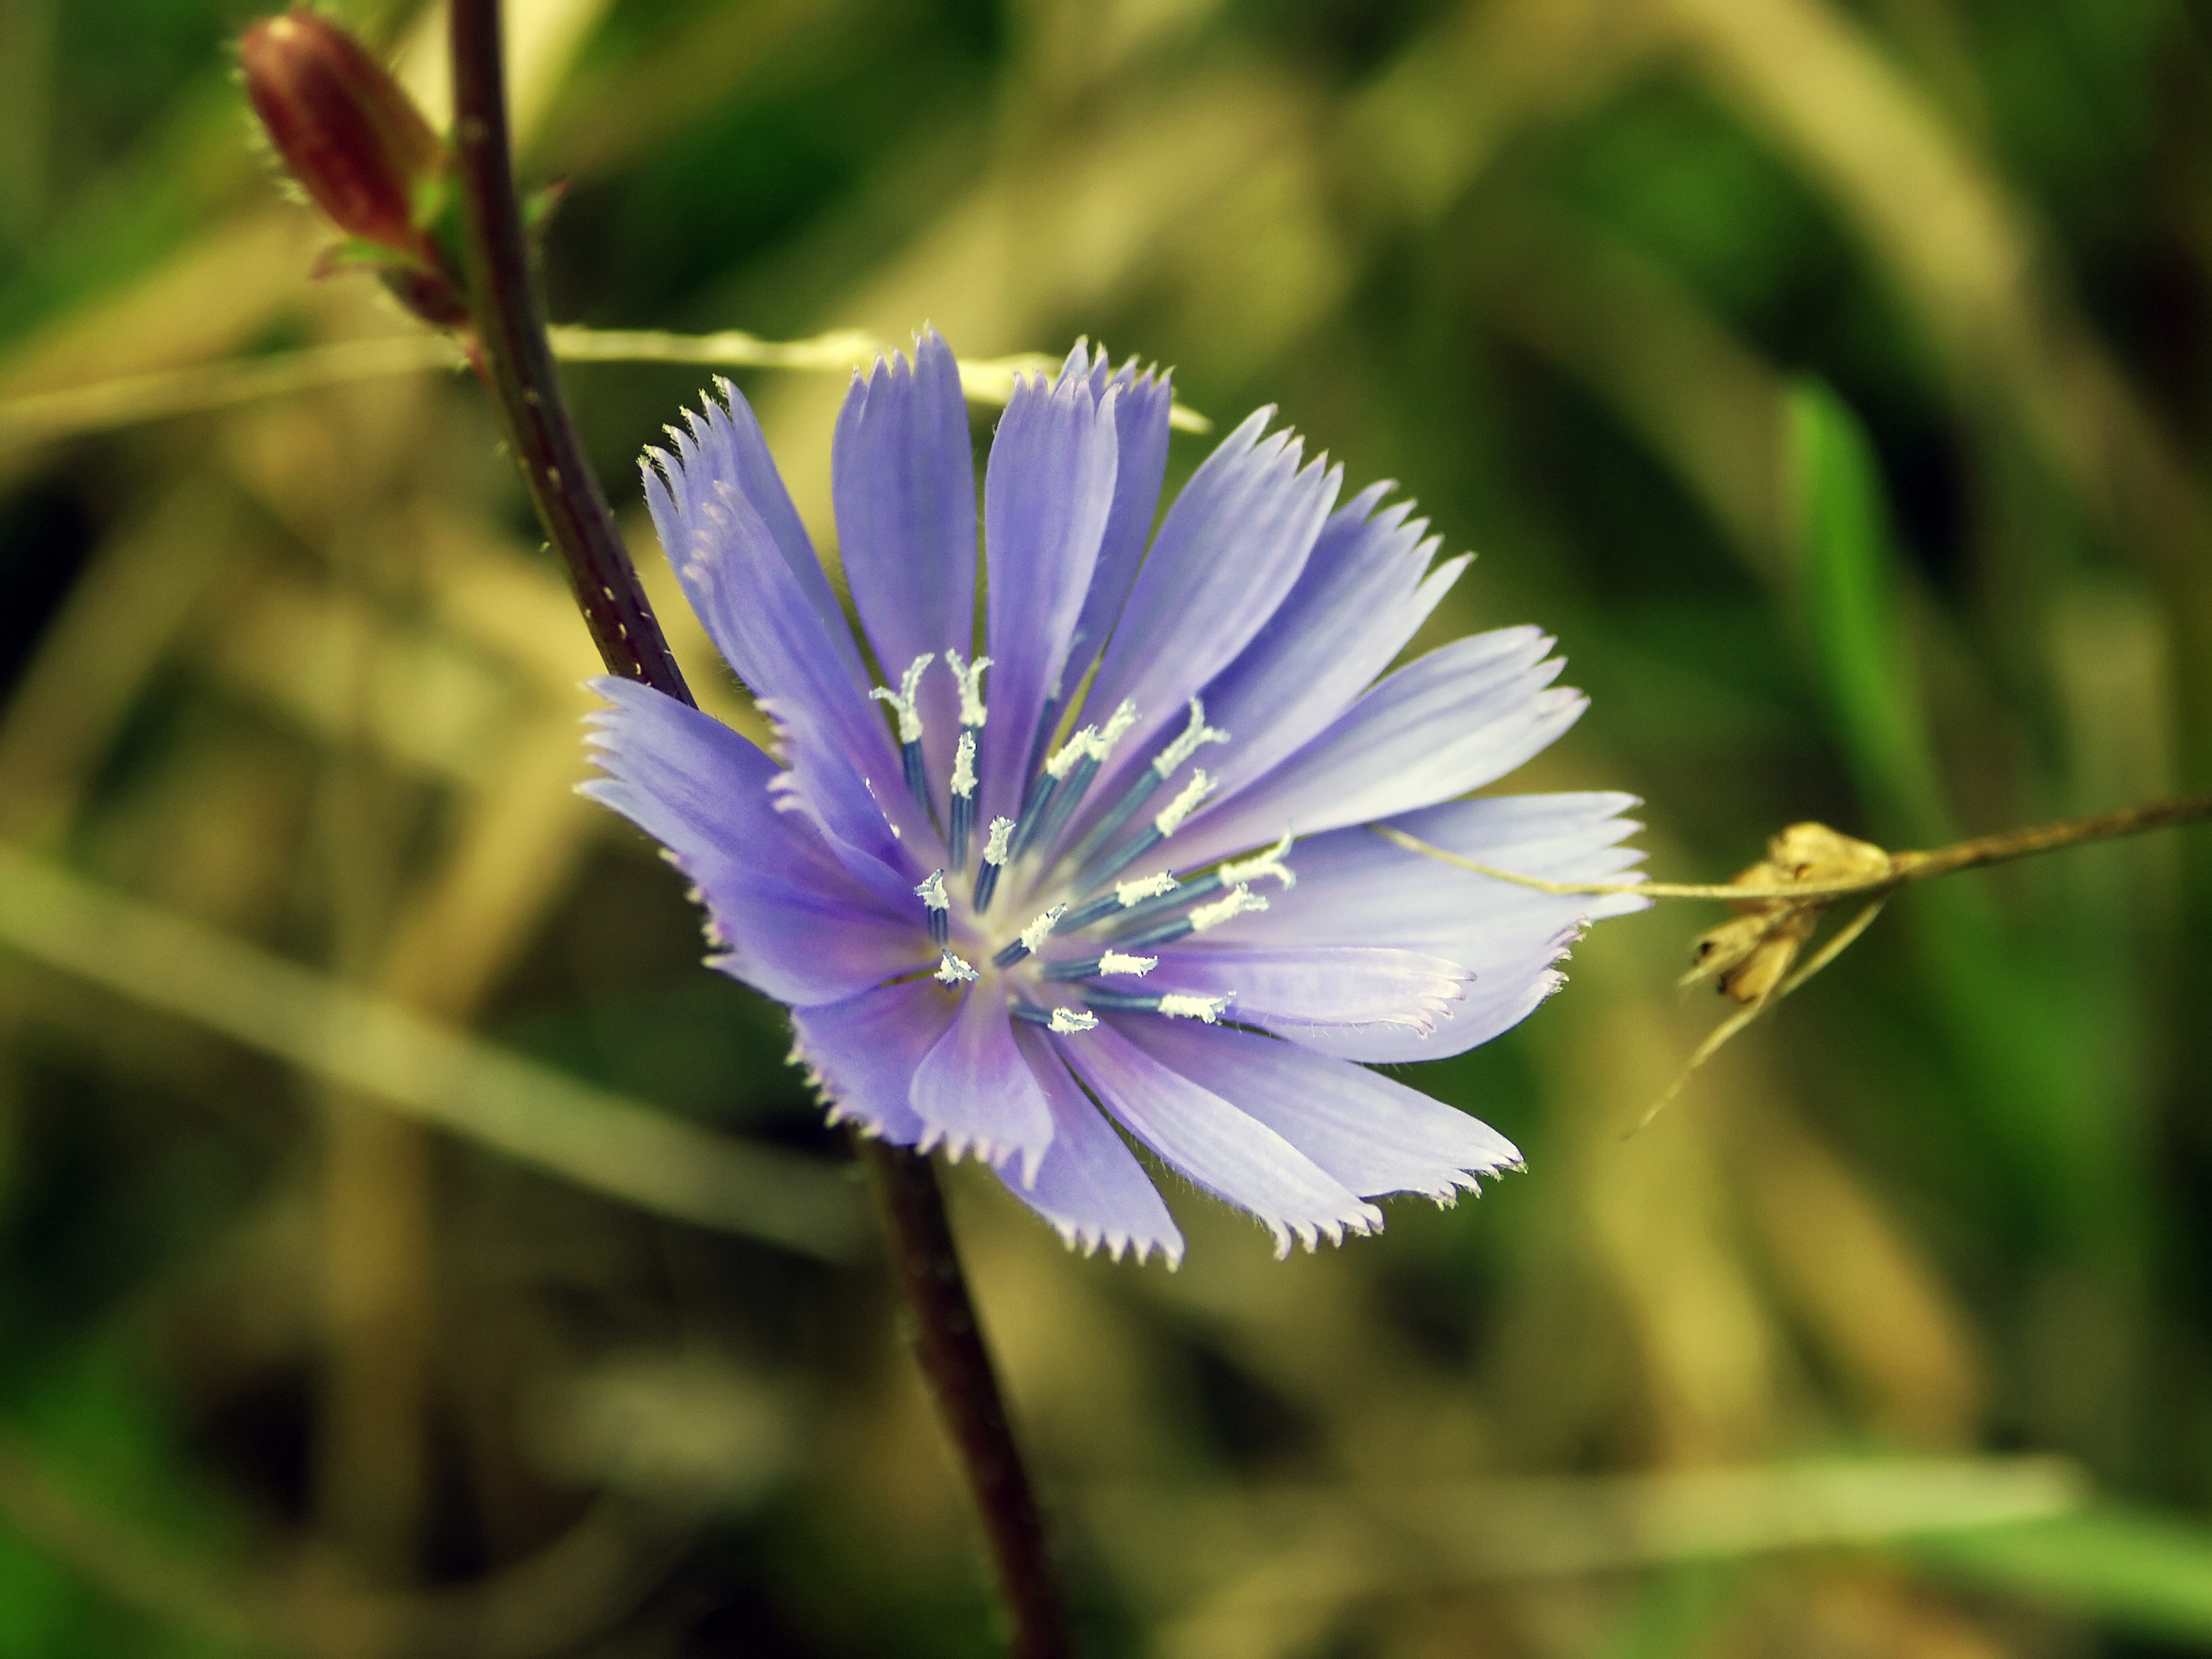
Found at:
(1197, 732)
(1176, 1006)
(1236, 902)
(953, 970)
(1133, 893)
(1068, 1021)
(995, 849)
(1077, 748)
(1117, 962)
(963, 764)
(1041, 929)
(902, 700)
(970, 676)
(1192, 798)
(1269, 862)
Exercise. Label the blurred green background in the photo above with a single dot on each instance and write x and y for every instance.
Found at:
(1832, 377)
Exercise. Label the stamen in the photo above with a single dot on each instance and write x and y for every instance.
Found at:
(1126, 895)
(931, 893)
(909, 720)
(953, 970)
(902, 700)
(1038, 807)
(1130, 893)
(1269, 862)
(1097, 749)
(1112, 961)
(1209, 1009)
(1162, 768)
(1032, 936)
(1240, 901)
(970, 676)
(1169, 820)
(1175, 1004)
(1194, 734)
(1192, 798)
(994, 858)
(1065, 1021)
(964, 795)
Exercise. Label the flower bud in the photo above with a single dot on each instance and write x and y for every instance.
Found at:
(346, 128)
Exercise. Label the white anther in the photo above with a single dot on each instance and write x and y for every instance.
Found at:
(932, 892)
(910, 713)
(963, 764)
(1269, 862)
(1197, 731)
(1041, 930)
(1176, 1006)
(1101, 746)
(970, 676)
(1236, 902)
(994, 849)
(953, 970)
(1113, 961)
(1063, 762)
(1132, 893)
(1193, 797)
(1068, 1021)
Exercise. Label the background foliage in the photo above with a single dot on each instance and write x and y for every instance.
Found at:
(1832, 378)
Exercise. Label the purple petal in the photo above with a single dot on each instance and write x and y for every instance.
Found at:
(904, 479)
(1046, 495)
(1460, 717)
(1515, 975)
(1355, 888)
(1228, 552)
(1372, 1134)
(976, 1093)
(1318, 984)
(740, 583)
(724, 450)
(1359, 599)
(1140, 427)
(1228, 1152)
(1089, 1186)
(793, 921)
(863, 1052)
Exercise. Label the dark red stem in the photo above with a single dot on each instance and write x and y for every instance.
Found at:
(511, 352)
(949, 1342)
(517, 361)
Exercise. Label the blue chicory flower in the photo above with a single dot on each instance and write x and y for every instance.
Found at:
(1048, 876)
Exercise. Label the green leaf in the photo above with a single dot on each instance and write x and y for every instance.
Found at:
(2127, 1568)
(1853, 605)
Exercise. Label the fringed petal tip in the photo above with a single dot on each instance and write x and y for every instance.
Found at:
(1088, 1241)
(997, 1154)
(1469, 1179)
(1362, 1220)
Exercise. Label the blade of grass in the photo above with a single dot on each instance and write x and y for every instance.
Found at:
(527, 1111)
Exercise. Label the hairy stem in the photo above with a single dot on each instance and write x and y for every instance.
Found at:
(948, 1342)
(517, 363)
(516, 360)
(1904, 867)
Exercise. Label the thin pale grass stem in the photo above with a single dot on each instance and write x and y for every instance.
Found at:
(107, 405)
(1904, 867)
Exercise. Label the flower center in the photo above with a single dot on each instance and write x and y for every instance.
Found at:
(1096, 935)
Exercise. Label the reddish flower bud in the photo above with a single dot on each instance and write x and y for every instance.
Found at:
(346, 128)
